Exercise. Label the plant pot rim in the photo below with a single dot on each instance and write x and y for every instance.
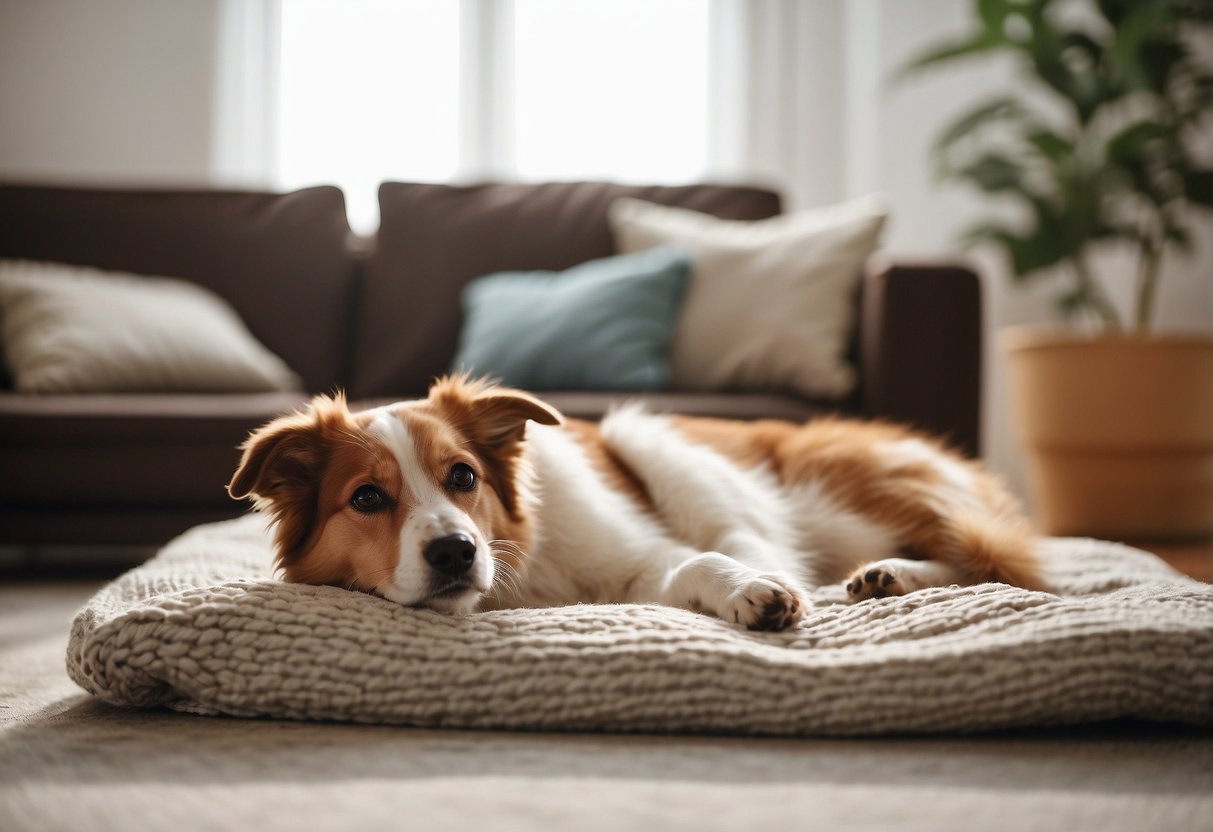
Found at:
(1020, 338)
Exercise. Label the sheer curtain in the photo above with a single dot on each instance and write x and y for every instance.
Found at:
(668, 91)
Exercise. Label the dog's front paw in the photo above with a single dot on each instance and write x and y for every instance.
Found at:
(766, 602)
(875, 580)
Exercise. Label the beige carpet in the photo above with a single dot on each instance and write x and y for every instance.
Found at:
(68, 761)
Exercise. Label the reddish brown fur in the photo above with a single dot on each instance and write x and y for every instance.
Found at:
(905, 496)
(303, 468)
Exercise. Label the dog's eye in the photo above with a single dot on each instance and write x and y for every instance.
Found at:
(367, 498)
(462, 477)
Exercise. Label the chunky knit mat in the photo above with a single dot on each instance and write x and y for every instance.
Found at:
(203, 627)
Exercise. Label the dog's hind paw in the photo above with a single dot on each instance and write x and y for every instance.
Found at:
(766, 602)
(875, 580)
(897, 576)
(874, 583)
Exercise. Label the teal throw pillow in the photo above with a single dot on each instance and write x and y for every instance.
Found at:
(603, 325)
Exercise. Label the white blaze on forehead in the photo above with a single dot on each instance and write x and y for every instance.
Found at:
(430, 515)
(429, 502)
(395, 435)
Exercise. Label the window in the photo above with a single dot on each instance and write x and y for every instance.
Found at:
(615, 89)
(368, 91)
(597, 89)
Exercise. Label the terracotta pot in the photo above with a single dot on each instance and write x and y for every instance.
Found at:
(1118, 431)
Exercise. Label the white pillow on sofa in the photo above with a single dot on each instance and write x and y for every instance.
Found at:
(771, 303)
(71, 329)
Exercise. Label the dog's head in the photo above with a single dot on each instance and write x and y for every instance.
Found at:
(412, 502)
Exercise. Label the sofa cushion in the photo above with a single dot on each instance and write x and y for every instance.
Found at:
(110, 451)
(605, 325)
(73, 329)
(280, 259)
(434, 239)
(771, 303)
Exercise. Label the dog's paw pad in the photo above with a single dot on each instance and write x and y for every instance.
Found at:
(875, 581)
(767, 603)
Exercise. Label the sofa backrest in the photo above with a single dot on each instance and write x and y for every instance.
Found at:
(280, 259)
(434, 239)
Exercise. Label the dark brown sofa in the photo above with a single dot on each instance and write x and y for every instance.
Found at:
(379, 318)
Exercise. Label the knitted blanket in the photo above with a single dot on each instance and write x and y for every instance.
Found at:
(204, 627)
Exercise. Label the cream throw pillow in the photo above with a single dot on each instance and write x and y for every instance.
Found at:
(69, 329)
(771, 303)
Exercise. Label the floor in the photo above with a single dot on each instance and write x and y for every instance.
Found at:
(70, 762)
(1192, 557)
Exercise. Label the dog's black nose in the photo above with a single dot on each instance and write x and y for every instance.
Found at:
(451, 556)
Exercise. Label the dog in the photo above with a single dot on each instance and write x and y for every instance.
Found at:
(484, 497)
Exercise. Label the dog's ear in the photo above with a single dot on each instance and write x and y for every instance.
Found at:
(283, 466)
(494, 417)
(501, 418)
(285, 455)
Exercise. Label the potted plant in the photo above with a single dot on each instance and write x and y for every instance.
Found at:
(1096, 149)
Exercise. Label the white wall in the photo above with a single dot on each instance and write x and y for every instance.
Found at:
(106, 90)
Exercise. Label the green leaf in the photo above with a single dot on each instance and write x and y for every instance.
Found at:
(1157, 59)
(1115, 10)
(1202, 86)
(993, 173)
(1198, 187)
(1051, 145)
(1082, 42)
(1197, 100)
(1179, 237)
(1126, 147)
(974, 45)
(1146, 33)
(1072, 303)
(993, 14)
(1131, 151)
(970, 122)
(1029, 252)
(1196, 11)
(1081, 88)
(1080, 84)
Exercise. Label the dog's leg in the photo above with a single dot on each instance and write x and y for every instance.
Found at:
(712, 505)
(717, 584)
(964, 547)
(708, 501)
(897, 576)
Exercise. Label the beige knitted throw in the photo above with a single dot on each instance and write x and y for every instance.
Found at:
(204, 627)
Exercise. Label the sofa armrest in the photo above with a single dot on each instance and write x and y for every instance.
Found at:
(920, 349)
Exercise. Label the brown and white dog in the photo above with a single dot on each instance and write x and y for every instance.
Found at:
(482, 497)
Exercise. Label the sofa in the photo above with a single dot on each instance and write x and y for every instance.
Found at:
(379, 317)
